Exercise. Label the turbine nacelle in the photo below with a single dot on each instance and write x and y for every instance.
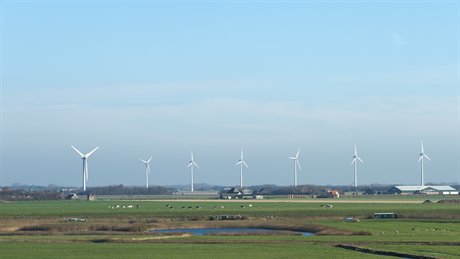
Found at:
(356, 157)
(422, 154)
(146, 162)
(242, 162)
(192, 161)
(84, 157)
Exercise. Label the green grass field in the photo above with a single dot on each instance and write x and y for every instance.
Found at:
(423, 229)
(181, 208)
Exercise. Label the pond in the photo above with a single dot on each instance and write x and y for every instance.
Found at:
(217, 231)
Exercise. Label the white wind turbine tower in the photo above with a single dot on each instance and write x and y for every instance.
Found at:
(421, 159)
(296, 163)
(354, 162)
(85, 165)
(147, 171)
(241, 162)
(191, 164)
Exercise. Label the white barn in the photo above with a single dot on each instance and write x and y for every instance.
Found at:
(426, 189)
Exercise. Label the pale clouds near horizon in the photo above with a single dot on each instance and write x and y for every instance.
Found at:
(218, 127)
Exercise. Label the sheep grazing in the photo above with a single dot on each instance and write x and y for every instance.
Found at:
(250, 206)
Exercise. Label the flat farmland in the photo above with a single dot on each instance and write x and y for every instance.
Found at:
(175, 208)
(118, 228)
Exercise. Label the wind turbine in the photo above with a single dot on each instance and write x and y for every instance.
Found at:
(147, 171)
(85, 165)
(241, 163)
(354, 162)
(296, 163)
(191, 164)
(421, 159)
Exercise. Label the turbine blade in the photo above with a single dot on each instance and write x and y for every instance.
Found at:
(353, 161)
(292, 158)
(148, 161)
(298, 151)
(245, 164)
(421, 144)
(239, 162)
(90, 153)
(298, 164)
(143, 161)
(420, 158)
(191, 155)
(360, 159)
(356, 151)
(426, 157)
(82, 156)
(189, 164)
(195, 164)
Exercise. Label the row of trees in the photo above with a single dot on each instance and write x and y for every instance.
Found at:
(130, 190)
(20, 195)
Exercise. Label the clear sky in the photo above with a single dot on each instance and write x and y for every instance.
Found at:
(159, 78)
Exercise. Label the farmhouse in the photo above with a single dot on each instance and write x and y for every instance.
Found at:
(427, 189)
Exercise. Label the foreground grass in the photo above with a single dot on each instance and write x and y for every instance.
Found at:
(206, 246)
(152, 250)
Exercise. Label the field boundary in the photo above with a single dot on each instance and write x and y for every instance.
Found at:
(380, 252)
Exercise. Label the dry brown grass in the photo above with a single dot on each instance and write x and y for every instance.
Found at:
(56, 226)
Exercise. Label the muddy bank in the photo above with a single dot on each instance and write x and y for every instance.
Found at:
(384, 253)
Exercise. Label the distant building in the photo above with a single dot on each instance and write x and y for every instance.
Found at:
(354, 193)
(385, 215)
(427, 189)
(72, 196)
(334, 193)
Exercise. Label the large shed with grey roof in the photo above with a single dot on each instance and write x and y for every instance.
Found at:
(426, 189)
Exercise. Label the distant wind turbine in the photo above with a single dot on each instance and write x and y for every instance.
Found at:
(85, 165)
(354, 162)
(421, 159)
(241, 162)
(191, 164)
(147, 171)
(296, 163)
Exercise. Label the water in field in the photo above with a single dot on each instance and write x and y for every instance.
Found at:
(217, 231)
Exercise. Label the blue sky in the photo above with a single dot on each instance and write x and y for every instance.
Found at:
(159, 78)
